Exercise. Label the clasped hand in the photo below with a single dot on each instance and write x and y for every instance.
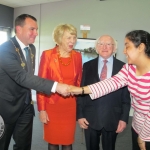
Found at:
(67, 90)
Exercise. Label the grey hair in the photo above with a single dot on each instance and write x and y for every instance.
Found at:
(114, 41)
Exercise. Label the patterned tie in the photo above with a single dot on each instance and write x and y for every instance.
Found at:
(28, 60)
(103, 74)
(30, 70)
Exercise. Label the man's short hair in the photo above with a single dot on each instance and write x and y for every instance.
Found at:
(20, 20)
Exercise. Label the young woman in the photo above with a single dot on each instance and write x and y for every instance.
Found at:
(136, 75)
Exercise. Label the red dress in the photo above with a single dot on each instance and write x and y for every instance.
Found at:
(62, 113)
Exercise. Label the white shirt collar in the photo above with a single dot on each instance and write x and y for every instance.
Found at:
(22, 46)
(20, 43)
(109, 59)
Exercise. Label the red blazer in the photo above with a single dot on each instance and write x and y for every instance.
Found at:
(50, 69)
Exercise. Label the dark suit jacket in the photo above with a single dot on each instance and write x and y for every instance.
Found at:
(15, 82)
(107, 110)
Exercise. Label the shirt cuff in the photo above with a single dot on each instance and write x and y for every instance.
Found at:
(91, 95)
(53, 90)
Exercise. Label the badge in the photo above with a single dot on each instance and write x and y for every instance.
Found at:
(23, 64)
(2, 127)
(17, 50)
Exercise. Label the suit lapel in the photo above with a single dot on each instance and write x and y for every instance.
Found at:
(55, 64)
(74, 61)
(115, 70)
(20, 52)
(94, 69)
(95, 73)
(33, 53)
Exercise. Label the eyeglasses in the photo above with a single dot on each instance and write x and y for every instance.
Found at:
(106, 44)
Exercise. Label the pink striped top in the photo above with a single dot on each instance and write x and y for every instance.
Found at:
(139, 88)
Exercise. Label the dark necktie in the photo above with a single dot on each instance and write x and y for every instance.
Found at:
(28, 60)
(103, 74)
(30, 70)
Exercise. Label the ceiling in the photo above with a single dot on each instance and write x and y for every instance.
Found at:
(21, 3)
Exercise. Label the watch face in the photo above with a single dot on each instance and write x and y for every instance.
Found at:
(2, 127)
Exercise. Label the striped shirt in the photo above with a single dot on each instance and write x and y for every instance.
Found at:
(139, 88)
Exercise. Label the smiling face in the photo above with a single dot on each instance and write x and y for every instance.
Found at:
(28, 32)
(105, 46)
(68, 41)
(132, 53)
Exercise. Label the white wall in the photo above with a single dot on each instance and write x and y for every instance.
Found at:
(114, 17)
(105, 17)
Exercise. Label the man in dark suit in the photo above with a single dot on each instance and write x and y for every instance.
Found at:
(16, 80)
(107, 116)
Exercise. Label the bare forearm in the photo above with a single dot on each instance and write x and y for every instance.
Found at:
(86, 90)
(79, 90)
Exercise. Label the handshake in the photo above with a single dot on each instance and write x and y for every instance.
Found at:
(67, 90)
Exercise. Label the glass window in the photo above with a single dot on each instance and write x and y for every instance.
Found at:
(5, 34)
(3, 37)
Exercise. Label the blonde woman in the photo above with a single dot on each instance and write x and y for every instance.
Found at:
(64, 65)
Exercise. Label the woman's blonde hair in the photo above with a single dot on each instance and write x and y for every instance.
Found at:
(59, 31)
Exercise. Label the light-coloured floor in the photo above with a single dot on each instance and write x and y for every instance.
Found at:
(123, 139)
(131, 112)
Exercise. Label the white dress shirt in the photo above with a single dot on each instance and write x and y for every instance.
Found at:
(109, 66)
(53, 90)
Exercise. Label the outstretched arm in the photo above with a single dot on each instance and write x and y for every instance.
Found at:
(79, 90)
(104, 87)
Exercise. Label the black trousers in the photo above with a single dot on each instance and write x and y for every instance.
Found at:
(135, 145)
(92, 139)
(21, 131)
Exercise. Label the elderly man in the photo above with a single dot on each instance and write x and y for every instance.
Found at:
(107, 116)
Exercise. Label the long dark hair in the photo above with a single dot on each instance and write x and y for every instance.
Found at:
(140, 36)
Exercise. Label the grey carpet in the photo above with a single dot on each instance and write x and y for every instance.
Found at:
(123, 139)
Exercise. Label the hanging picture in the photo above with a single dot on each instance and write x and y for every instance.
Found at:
(86, 46)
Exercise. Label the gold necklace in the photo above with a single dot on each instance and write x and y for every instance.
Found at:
(22, 62)
(60, 60)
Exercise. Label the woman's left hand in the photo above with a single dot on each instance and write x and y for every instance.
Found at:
(141, 143)
(43, 117)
